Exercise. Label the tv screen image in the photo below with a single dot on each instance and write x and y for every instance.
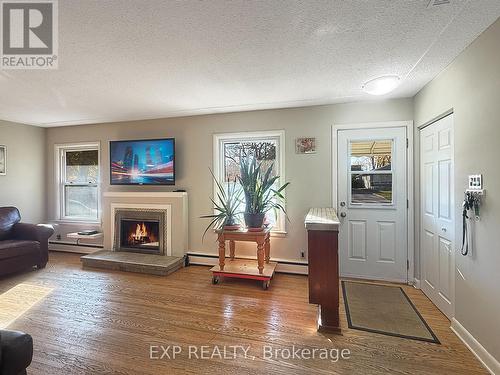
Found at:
(143, 162)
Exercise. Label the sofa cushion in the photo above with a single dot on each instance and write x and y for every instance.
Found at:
(14, 248)
(9, 216)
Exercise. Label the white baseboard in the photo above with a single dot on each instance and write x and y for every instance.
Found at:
(298, 269)
(486, 359)
(284, 266)
(416, 283)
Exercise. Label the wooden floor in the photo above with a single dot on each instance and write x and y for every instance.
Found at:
(103, 322)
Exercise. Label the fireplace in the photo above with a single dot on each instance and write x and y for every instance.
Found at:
(141, 231)
(140, 235)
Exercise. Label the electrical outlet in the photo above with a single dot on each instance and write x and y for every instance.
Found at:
(58, 237)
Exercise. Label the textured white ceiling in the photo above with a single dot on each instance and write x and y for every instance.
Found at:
(138, 59)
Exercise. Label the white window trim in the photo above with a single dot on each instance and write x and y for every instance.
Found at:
(59, 149)
(218, 159)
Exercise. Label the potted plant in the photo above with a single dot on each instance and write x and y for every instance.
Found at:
(226, 207)
(260, 194)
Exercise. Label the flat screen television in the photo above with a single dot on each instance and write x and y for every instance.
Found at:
(142, 162)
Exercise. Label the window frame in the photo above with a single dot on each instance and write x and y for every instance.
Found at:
(220, 139)
(60, 169)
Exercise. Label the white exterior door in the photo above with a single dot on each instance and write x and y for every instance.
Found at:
(372, 203)
(436, 211)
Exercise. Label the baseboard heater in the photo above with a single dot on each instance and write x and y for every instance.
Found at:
(75, 244)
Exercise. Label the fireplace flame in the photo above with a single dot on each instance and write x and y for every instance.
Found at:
(140, 232)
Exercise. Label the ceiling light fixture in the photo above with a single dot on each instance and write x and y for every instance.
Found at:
(381, 85)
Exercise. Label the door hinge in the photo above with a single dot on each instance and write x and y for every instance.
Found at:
(407, 264)
(407, 203)
(407, 142)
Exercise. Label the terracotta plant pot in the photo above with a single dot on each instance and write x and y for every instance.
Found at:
(254, 221)
(232, 227)
(232, 224)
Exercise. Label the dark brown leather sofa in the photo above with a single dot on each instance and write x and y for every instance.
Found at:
(22, 245)
(16, 352)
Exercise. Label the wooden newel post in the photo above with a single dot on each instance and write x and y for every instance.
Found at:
(322, 240)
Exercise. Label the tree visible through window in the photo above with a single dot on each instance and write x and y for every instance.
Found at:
(264, 152)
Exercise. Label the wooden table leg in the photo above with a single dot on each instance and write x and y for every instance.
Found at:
(268, 247)
(222, 251)
(231, 249)
(260, 255)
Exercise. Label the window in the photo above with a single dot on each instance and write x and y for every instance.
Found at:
(371, 172)
(78, 193)
(267, 147)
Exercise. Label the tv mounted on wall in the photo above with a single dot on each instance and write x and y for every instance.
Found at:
(142, 162)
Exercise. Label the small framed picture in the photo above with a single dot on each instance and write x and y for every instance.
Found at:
(3, 160)
(305, 145)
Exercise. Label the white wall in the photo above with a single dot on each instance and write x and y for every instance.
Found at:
(24, 185)
(310, 175)
(471, 87)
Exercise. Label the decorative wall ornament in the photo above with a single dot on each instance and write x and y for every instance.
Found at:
(305, 145)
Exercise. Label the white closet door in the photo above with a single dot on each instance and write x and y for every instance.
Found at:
(437, 220)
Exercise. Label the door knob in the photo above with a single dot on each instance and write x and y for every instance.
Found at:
(343, 214)
(443, 229)
(342, 204)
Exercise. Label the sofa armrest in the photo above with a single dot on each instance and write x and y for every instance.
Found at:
(17, 352)
(33, 232)
(40, 233)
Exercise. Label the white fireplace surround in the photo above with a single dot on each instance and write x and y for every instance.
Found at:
(173, 204)
(163, 207)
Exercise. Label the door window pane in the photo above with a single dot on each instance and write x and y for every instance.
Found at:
(371, 188)
(367, 156)
(81, 201)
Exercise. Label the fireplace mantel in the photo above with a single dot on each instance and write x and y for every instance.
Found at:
(145, 194)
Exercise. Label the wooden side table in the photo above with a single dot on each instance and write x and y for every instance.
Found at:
(262, 270)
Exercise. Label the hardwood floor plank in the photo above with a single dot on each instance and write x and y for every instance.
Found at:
(104, 322)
